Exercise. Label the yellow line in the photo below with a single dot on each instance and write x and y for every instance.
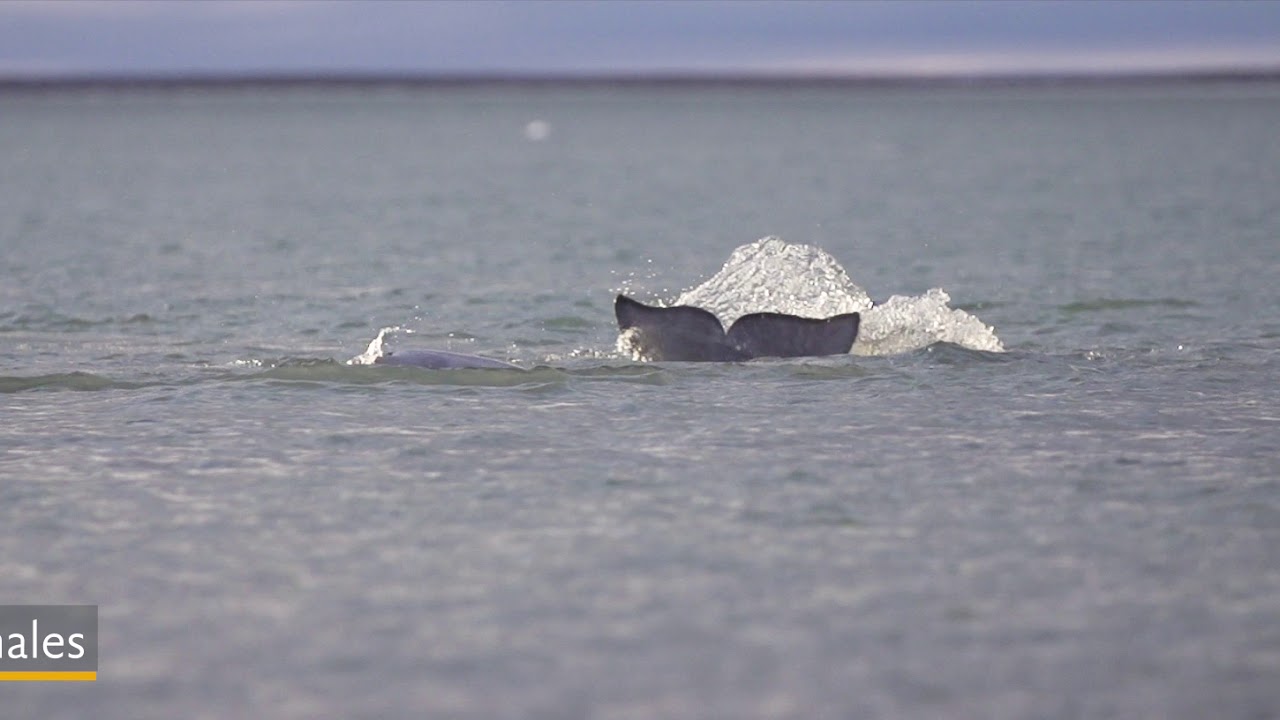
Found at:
(49, 676)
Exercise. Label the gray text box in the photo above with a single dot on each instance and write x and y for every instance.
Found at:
(43, 638)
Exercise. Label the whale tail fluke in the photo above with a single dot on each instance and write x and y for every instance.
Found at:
(779, 335)
(685, 333)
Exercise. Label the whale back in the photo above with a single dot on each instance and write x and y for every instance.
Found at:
(441, 360)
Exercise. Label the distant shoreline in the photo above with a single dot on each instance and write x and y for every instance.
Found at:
(196, 81)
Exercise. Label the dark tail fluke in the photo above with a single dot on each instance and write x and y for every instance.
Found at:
(778, 335)
(681, 333)
(685, 333)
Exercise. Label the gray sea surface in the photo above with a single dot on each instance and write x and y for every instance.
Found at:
(1045, 484)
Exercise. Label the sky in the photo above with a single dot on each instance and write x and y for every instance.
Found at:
(50, 38)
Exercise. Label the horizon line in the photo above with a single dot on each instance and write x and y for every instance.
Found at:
(212, 79)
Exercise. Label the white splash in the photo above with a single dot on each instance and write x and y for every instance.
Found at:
(902, 324)
(627, 347)
(770, 275)
(375, 349)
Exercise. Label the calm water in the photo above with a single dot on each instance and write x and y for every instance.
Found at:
(1043, 486)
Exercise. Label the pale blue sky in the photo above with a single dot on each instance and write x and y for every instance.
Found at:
(73, 37)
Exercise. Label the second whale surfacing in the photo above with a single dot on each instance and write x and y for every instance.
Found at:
(442, 360)
(691, 334)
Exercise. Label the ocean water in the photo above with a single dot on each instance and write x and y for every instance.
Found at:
(1043, 485)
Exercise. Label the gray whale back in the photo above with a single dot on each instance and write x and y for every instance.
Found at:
(442, 360)
(691, 334)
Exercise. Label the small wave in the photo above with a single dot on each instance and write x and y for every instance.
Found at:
(1101, 304)
(638, 373)
(826, 371)
(947, 353)
(568, 322)
(59, 322)
(63, 381)
(338, 373)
